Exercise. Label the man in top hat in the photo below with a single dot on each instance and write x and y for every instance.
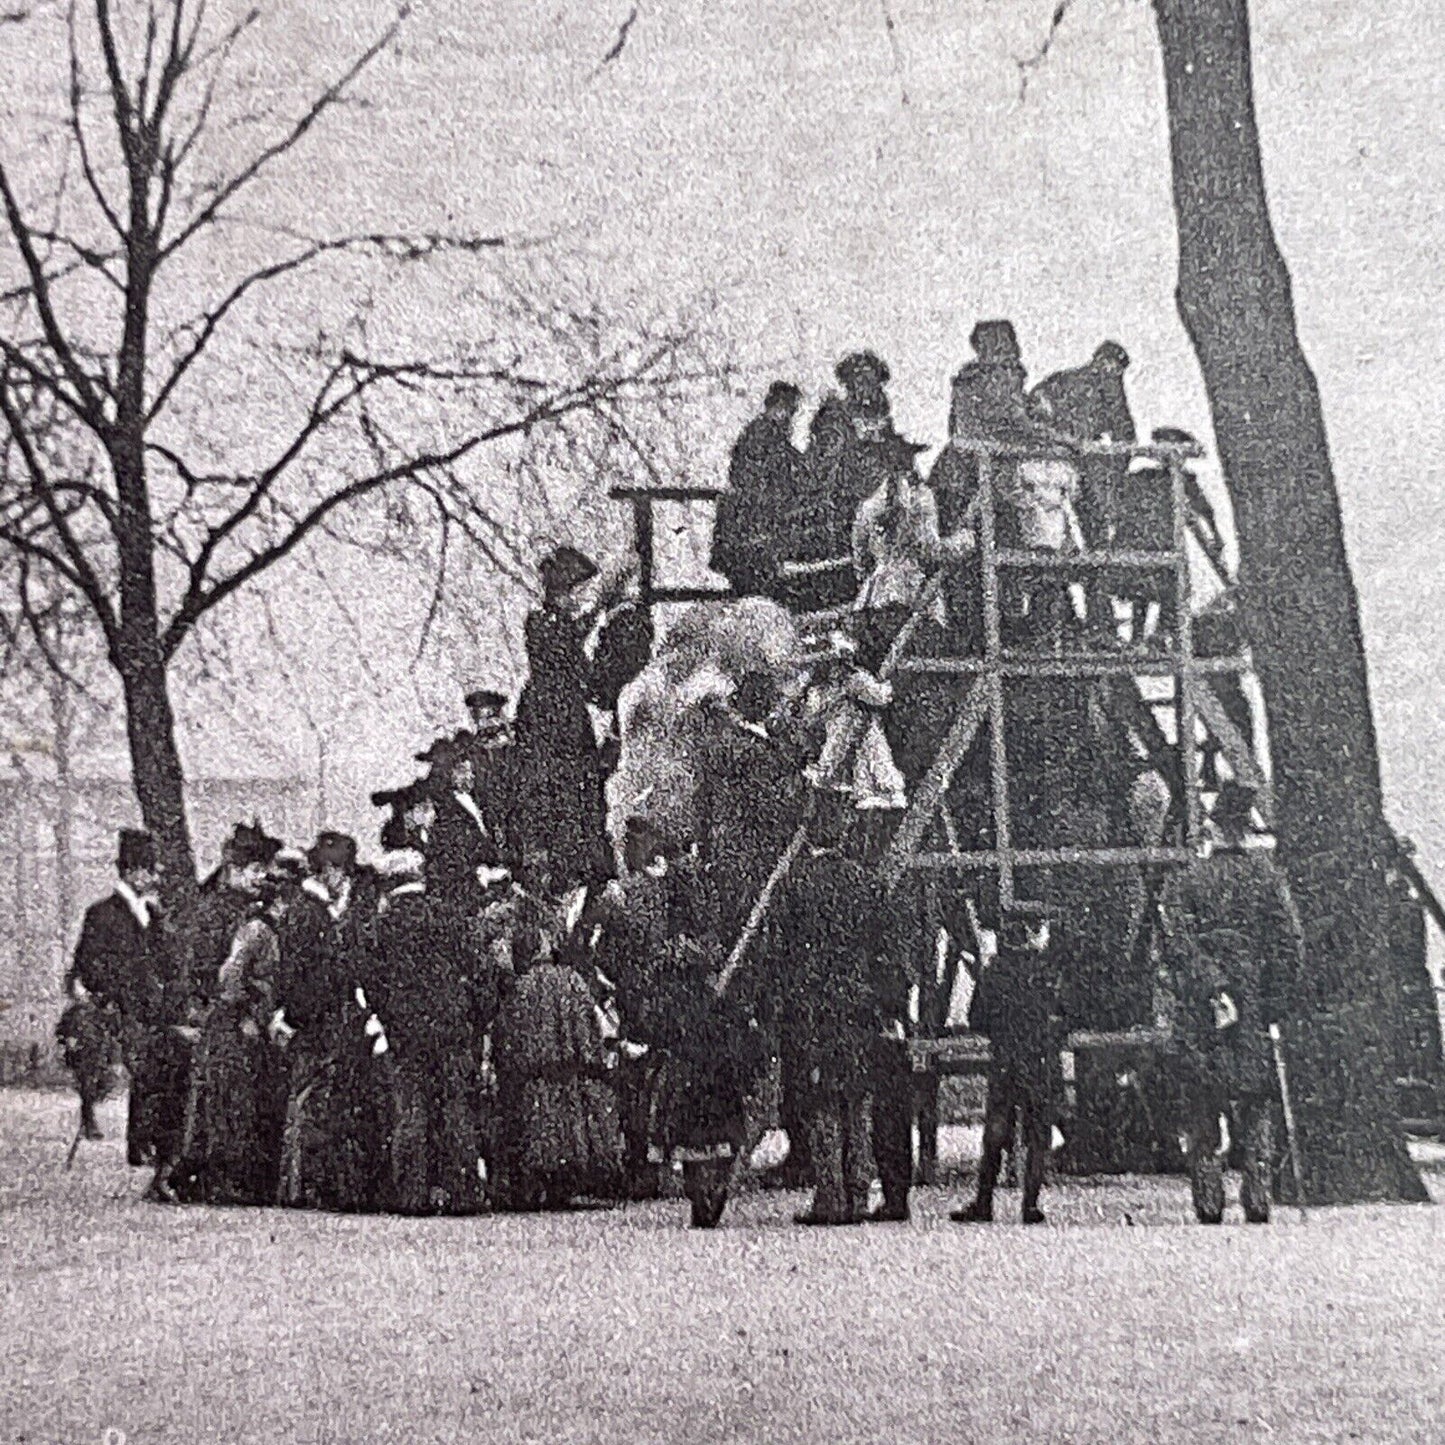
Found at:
(750, 535)
(122, 964)
(1015, 1004)
(1232, 954)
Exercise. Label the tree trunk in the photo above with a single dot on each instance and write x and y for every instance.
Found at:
(1299, 606)
(157, 776)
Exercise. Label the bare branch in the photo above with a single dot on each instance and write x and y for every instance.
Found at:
(87, 404)
(198, 602)
(1032, 62)
(76, 567)
(119, 94)
(334, 92)
(90, 259)
(220, 53)
(76, 121)
(618, 45)
(404, 248)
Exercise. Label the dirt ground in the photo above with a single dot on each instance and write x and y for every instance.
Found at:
(1119, 1321)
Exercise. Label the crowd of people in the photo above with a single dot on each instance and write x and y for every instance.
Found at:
(516, 1011)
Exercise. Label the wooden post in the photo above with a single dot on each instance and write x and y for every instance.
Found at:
(929, 797)
(930, 1024)
(1183, 653)
(993, 658)
(642, 529)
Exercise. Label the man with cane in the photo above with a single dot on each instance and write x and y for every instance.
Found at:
(1232, 951)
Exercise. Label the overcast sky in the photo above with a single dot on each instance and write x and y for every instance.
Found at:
(837, 191)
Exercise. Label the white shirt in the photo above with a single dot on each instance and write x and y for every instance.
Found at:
(468, 805)
(139, 906)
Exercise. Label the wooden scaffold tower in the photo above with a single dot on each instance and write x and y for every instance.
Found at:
(1177, 701)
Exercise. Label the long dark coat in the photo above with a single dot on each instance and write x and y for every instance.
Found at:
(229, 1135)
(751, 533)
(1015, 1006)
(124, 967)
(317, 997)
(829, 950)
(561, 806)
(130, 972)
(1230, 926)
(560, 1128)
(456, 846)
(434, 990)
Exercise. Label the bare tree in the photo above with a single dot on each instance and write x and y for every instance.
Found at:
(1298, 600)
(148, 492)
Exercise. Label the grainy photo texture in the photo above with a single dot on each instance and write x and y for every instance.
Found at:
(717, 721)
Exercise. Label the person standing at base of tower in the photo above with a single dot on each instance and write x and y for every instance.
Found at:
(1232, 951)
(1016, 1005)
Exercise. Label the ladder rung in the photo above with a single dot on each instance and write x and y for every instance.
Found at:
(1046, 858)
(1083, 561)
(1084, 665)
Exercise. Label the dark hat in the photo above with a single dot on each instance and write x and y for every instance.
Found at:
(483, 699)
(1174, 436)
(782, 393)
(249, 843)
(288, 866)
(447, 750)
(995, 341)
(135, 849)
(861, 365)
(332, 850)
(1111, 351)
(566, 567)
